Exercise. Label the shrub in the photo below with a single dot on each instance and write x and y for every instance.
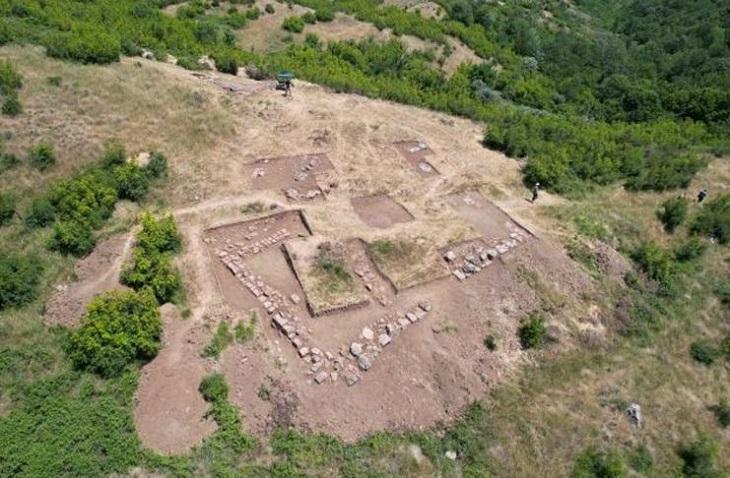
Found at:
(221, 339)
(253, 13)
(658, 264)
(311, 40)
(85, 44)
(714, 219)
(595, 464)
(119, 327)
(269, 8)
(154, 271)
(532, 332)
(699, 458)
(245, 330)
(157, 166)
(8, 161)
(88, 198)
(42, 156)
(19, 279)
(704, 352)
(11, 106)
(324, 14)
(309, 17)
(41, 213)
(690, 249)
(226, 63)
(132, 182)
(7, 208)
(673, 212)
(490, 342)
(10, 79)
(114, 154)
(722, 413)
(72, 237)
(214, 388)
(725, 347)
(159, 235)
(293, 24)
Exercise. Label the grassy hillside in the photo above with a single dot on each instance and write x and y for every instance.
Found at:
(592, 97)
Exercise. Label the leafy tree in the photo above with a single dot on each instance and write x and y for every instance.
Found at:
(85, 43)
(132, 181)
(20, 276)
(119, 328)
(72, 237)
(673, 212)
(159, 235)
(154, 271)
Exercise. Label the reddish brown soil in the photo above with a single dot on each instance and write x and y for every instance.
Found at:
(380, 211)
(430, 371)
(417, 159)
(97, 273)
(169, 411)
(287, 173)
(489, 220)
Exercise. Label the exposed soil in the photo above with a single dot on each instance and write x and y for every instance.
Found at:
(296, 176)
(97, 273)
(415, 153)
(169, 411)
(380, 211)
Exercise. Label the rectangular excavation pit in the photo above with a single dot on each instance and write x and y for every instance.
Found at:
(415, 153)
(295, 176)
(380, 211)
(494, 225)
(406, 262)
(250, 266)
(325, 274)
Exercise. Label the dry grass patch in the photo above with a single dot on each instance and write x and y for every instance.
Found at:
(407, 263)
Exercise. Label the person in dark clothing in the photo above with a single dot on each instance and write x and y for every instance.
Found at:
(535, 189)
(287, 88)
(701, 195)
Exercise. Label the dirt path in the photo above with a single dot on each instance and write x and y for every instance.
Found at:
(97, 273)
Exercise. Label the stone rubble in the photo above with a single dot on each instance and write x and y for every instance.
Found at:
(465, 262)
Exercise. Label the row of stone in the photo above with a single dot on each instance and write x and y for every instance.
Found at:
(480, 257)
(242, 250)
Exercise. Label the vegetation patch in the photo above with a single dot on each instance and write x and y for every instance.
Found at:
(532, 332)
(20, 276)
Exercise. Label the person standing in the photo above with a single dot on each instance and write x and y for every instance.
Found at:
(535, 190)
(702, 195)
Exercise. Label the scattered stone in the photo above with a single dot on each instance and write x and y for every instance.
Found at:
(450, 256)
(295, 299)
(351, 379)
(316, 351)
(451, 455)
(425, 306)
(334, 376)
(303, 351)
(356, 349)
(321, 376)
(411, 317)
(384, 339)
(367, 333)
(403, 322)
(365, 362)
(492, 253)
(459, 274)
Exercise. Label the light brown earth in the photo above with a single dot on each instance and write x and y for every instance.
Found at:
(97, 273)
(214, 135)
(380, 211)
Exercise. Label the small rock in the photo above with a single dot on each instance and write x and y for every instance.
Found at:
(295, 299)
(356, 349)
(321, 376)
(365, 362)
(303, 351)
(451, 455)
(450, 256)
(367, 333)
(411, 317)
(384, 339)
(459, 274)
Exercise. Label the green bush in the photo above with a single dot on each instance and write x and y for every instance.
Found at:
(226, 63)
(309, 17)
(658, 264)
(159, 235)
(269, 8)
(324, 14)
(293, 24)
(154, 271)
(11, 105)
(119, 328)
(490, 342)
(253, 13)
(222, 338)
(690, 249)
(157, 167)
(725, 347)
(85, 44)
(722, 413)
(42, 156)
(132, 181)
(114, 154)
(19, 279)
(41, 213)
(88, 198)
(714, 219)
(72, 237)
(673, 212)
(214, 388)
(532, 332)
(704, 352)
(312, 40)
(10, 79)
(700, 458)
(7, 208)
(595, 464)
(8, 161)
